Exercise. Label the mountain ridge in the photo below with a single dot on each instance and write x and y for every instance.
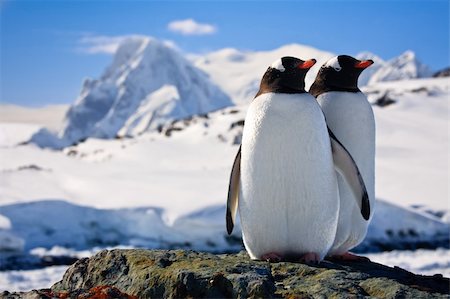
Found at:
(149, 84)
(109, 107)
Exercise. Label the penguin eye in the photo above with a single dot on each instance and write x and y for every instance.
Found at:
(337, 68)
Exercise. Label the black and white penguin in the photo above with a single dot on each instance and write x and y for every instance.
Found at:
(349, 115)
(283, 175)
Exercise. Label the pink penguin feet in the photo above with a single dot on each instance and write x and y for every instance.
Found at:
(348, 256)
(310, 258)
(271, 257)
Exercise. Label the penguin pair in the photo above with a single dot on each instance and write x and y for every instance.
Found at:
(284, 180)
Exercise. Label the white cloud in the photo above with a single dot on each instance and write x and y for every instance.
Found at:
(191, 27)
(102, 44)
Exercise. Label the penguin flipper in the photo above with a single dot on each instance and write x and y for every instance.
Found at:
(233, 192)
(346, 166)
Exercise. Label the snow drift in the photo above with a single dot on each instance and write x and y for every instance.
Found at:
(59, 223)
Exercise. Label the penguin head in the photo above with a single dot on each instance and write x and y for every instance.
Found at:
(286, 75)
(340, 73)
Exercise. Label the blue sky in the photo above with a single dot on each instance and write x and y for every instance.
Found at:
(44, 59)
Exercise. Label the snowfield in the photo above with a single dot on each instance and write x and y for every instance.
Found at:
(412, 145)
(168, 189)
(421, 261)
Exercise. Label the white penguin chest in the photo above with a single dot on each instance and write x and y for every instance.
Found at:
(350, 116)
(288, 199)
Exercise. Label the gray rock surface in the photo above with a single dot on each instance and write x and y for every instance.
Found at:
(188, 274)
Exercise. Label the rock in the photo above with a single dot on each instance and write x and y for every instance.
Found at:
(442, 73)
(384, 100)
(189, 274)
(95, 292)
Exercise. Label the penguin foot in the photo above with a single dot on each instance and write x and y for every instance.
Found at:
(350, 257)
(271, 257)
(310, 258)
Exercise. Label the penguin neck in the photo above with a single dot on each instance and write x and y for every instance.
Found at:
(321, 86)
(279, 89)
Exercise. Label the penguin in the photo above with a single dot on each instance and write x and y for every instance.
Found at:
(283, 179)
(349, 115)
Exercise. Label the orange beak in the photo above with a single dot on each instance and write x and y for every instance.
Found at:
(363, 64)
(307, 64)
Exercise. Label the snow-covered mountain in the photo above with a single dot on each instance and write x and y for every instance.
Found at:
(239, 73)
(147, 84)
(405, 66)
(150, 84)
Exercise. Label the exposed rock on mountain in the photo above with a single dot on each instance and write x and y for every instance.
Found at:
(442, 73)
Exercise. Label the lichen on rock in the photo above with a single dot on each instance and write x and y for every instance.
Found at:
(188, 274)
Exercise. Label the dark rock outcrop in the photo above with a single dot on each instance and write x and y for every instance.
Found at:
(384, 100)
(188, 274)
(442, 73)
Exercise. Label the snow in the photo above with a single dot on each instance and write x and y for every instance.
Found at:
(141, 68)
(421, 261)
(397, 227)
(158, 105)
(192, 165)
(151, 170)
(405, 66)
(81, 228)
(50, 116)
(239, 73)
(4, 222)
(26, 280)
(18, 123)
(12, 134)
(125, 100)
(412, 154)
(368, 72)
(8, 241)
